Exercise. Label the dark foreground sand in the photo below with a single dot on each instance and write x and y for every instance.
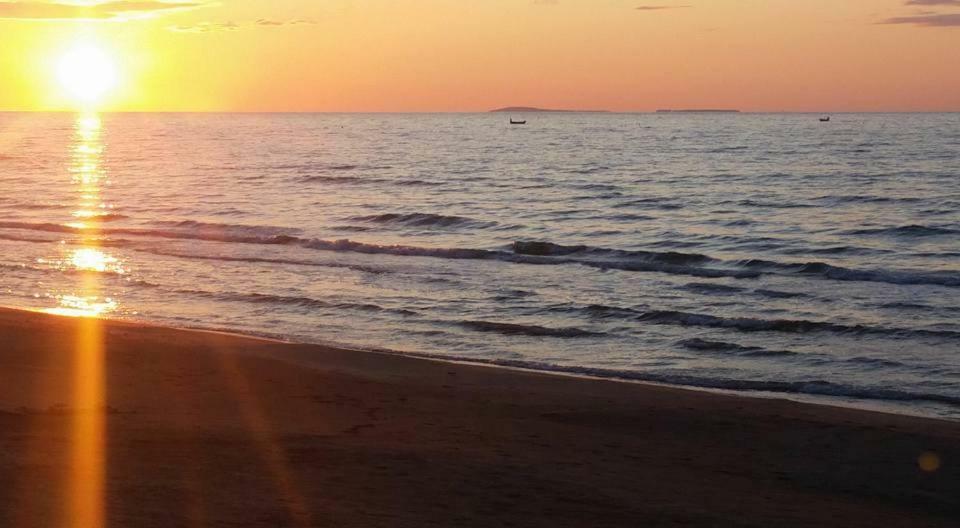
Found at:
(204, 430)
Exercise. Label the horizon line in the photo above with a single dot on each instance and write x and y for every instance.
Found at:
(456, 112)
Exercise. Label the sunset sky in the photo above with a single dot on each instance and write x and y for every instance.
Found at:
(458, 55)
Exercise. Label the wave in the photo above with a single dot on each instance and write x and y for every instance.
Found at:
(875, 362)
(712, 289)
(541, 253)
(42, 206)
(749, 324)
(666, 257)
(735, 148)
(546, 249)
(746, 324)
(14, 238)
(599, 187)
(913, 230)
(422, 220)
(838, 273)
(262, 260)
(777, 294)
(720, 346)
(831, 250)
(527, 330)
(324, 178)
(512, 294)
(814, 387)
(352, 228)
(313, 166)
(632, 218)
(292, 301)
(666, 204)
(417, 183)
(603, 258)
(774, 204)
(106, 217)
(869, 199)
(225, 229)
(694, 264)
(643, 314)
(602, 311)
(344, 173)
(523, 252)
(592, 169)
(342, 167)
(45, 227)
(901, 305)
(702, 345)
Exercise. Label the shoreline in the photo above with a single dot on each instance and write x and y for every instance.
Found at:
(891, 407)
(201, 426)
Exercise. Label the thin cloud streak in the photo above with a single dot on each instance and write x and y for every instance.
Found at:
(205, 27)
(295, 22)
(934, 2)
(213, 27)
(660, 7)
(113, 10)
(940, 21)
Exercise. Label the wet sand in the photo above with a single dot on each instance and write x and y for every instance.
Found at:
(205, 429)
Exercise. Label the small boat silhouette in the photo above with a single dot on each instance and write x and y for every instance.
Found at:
(825, 119)
(518, 122)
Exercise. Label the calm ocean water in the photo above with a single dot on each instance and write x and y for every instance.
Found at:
(745, 252)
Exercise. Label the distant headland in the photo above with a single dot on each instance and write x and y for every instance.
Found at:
(699, 111)
(531, 109)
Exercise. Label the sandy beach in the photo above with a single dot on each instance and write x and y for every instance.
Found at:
(206, 429)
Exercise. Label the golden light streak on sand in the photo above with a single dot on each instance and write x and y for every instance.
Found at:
(86, 479)
(88, 456)
(267, 441)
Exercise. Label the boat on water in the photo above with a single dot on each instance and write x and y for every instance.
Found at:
(518, 121)
(825, 119)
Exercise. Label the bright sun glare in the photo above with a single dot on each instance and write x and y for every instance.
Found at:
(86, 73)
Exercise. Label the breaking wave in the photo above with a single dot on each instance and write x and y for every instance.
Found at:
(527, 330)
(521, 252)
(422, 220)
(906, 231)
(814, 387)
(749, 324)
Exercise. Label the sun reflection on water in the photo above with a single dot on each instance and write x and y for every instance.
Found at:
(88, 177)
(92, 259)
(86, 259)
(75, 306)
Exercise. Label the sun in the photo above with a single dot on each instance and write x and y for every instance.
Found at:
(86, 73)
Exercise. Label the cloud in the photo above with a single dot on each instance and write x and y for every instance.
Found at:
(295, 22)
(934, 2)
(108, 10)
(206, 27)
(659, 7)
(932, 20)
(213, 27)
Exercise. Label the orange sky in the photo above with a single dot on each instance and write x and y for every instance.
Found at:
(461, 55)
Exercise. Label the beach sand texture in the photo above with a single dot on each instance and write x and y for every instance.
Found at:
(205, 429)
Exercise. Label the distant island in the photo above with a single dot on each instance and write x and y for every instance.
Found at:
(699, 111)
(533, 109)
(530, 109)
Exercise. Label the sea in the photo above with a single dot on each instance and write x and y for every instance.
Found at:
(772, 254)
